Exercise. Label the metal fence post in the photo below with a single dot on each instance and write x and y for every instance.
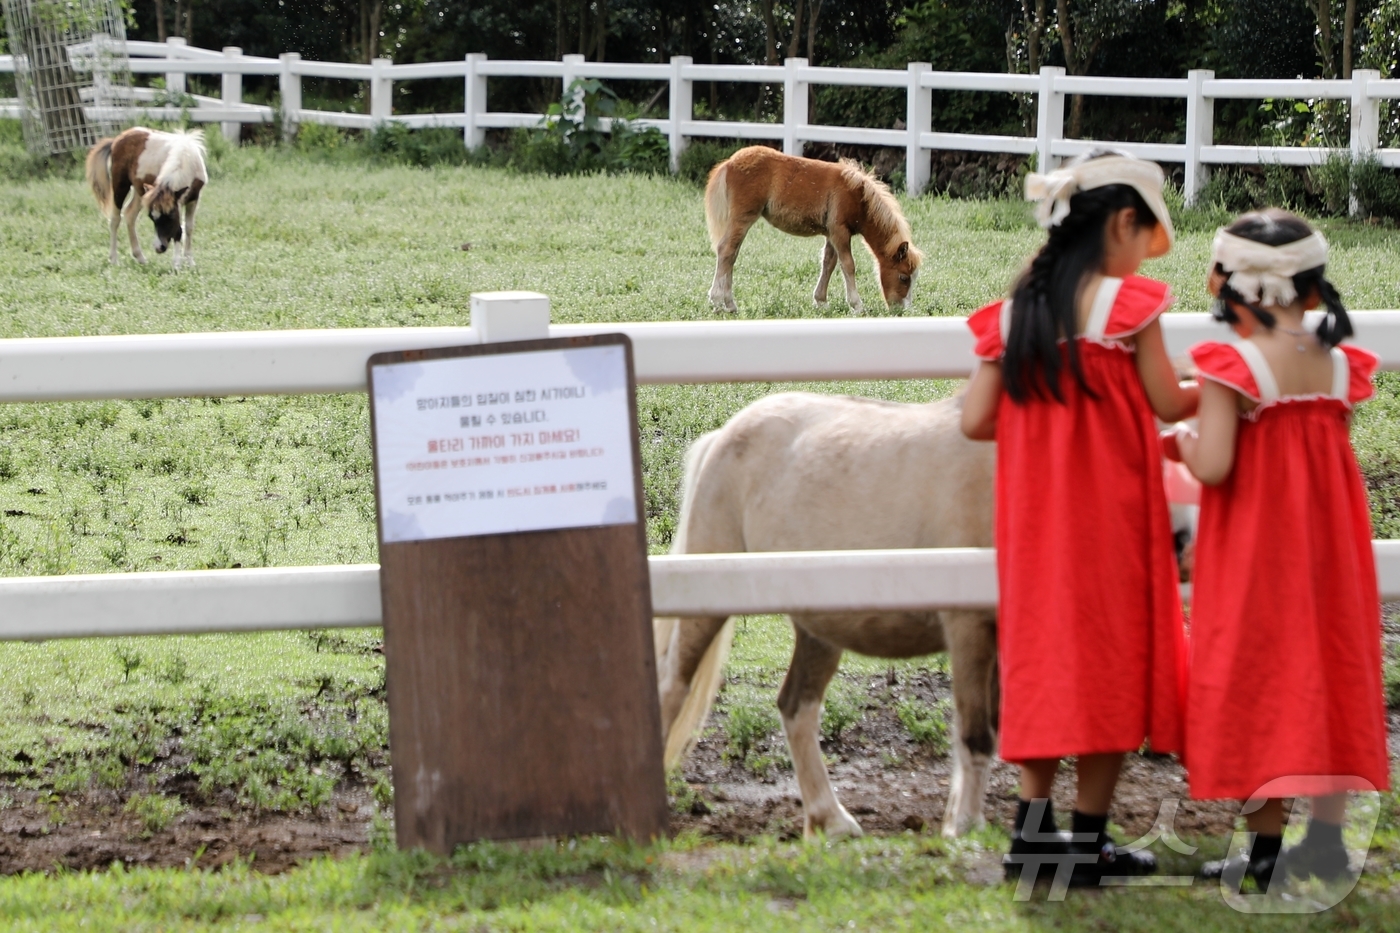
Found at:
(289, 84)
(381, 92)
(174, 81)
(919, 120)
(232, 94)
(1365, 122)
(1200, 132)
(1049, 118)
(473, 133)
(794, 105)
(681, 107)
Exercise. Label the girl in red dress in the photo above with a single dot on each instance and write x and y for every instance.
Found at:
(1285, 694)
(1073, 369)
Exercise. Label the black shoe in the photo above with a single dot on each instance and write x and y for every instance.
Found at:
(1042, 852)
(1111, 861)
(1323, 861)
(1235, 868)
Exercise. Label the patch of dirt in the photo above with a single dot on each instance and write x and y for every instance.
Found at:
(94, 832)
(890, 785)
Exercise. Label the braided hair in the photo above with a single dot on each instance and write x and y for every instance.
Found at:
(1045, 296)
(1274, 227)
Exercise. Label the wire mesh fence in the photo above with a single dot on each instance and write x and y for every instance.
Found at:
(72, 71)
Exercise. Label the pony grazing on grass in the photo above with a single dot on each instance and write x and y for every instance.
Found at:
(806, 197)
(166, 173)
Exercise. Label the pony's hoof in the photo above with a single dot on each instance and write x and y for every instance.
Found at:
(839, 825)
(857, 310)
(819, 302)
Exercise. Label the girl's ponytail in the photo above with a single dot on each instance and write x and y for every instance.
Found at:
(1336, 323)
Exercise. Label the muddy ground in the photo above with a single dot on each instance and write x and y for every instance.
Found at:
(889, 783)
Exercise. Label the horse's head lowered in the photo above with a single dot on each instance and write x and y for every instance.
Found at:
(899, 267)
(163, 205)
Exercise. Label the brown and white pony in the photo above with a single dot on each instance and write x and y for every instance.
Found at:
(807, 197)
(796, 472)
(166, 173)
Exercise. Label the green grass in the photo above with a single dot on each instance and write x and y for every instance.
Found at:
(904, 883)
(269, 722)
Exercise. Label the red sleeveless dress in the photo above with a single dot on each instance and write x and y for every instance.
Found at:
(1089, 629)
(1285, 680)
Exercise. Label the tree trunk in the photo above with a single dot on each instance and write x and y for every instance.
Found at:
(793, 47)
(1072, 65)
(558, 29)
(1322, 10)
(160, 21)
(812, 31)
(1348, 27)
(376, 16)
(56, 92)
(1034, 32)
(189, 21)
(602, 23)
(582, 28)
(771, 31)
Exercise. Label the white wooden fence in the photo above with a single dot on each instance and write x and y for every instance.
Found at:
(184, 602)
(1199, 90)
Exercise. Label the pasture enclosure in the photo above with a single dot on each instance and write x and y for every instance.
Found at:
(276, 481)
(1198, 91)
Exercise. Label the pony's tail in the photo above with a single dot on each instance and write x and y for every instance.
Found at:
(704, 686)
(99, 176)
(717, 203)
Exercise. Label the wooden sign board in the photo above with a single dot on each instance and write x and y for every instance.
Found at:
(517, 606)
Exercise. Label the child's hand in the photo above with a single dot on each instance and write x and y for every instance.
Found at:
(1171, 448)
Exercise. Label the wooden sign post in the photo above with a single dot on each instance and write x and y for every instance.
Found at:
(517, 606)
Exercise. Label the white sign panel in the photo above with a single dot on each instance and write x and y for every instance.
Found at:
(502, 442)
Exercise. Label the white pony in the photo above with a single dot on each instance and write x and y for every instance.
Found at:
(166, 172)
(816, 472)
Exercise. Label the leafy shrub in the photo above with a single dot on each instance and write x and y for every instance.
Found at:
(155, 811)
(1377, 188)
(394, 142)
(927, 725)
(1391, 678)
(700, 157)
(840, 711)
(747, 724)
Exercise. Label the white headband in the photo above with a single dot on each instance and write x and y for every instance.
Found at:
(1263, 274)
(1054, 190)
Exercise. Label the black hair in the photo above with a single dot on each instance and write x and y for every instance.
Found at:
(1274, 227)
(1046, 293)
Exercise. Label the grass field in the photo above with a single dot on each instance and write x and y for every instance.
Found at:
(272, 722)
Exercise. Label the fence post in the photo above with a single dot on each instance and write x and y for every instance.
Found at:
(1365, 122)
(571, 63)
(289, 84)
(381, 92)
(1049, 118)
(919, 120)
(174, 82)
(794, 105)
(1200, 132)
(681, 107)
(232, 94)
(473, 133)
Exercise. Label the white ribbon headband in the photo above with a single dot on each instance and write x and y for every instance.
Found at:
(1054, 190)
(1263, 274)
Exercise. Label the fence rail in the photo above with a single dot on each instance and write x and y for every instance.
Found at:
(1198, 90)
(276, 362)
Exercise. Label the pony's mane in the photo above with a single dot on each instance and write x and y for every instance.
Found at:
(881, 204)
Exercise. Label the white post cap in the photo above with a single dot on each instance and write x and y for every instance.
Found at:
(500, 316)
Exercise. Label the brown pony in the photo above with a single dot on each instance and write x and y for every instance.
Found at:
(806, 197)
